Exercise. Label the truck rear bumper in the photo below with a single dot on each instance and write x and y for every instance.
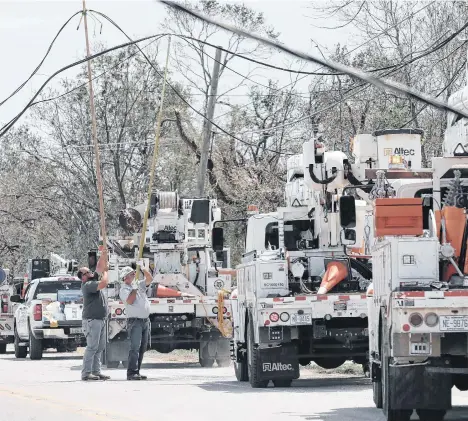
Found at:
(56, 333)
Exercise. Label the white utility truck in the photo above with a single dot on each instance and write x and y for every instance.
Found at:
(48, 314)
(300, 295)
(418, 301)
(189, 308)
(8, 287)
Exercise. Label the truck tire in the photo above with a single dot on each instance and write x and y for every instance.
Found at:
(282, 382)
(3, 348)
(377, 392)
(390, 413)
(35, 347)
(112, 364)
(223, 362)
(461, 382)
(206, 362)
(329, 363)
(253, 360)
(241, 371)
(20, 351)
(204, 358)
(431, 414)
(61, 348)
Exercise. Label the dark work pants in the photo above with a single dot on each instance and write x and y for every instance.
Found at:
(138, 332)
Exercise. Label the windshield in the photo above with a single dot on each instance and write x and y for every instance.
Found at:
(59, 290)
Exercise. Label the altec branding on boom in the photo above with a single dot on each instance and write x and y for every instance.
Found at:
(399, 151)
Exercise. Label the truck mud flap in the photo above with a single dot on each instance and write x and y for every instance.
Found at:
(117, 349)
(417, 387)
(278, 363)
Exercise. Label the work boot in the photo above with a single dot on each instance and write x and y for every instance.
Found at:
(142, 377)
(90, 377)
(134, 377)
(102, 376)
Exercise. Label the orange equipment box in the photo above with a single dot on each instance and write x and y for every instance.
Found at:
(398, 217)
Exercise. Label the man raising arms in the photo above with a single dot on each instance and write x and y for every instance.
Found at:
(94, 317)
(137, 308)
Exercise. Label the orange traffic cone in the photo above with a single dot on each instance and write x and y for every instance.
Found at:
(335, 273)
(163, 291)
(455, 221)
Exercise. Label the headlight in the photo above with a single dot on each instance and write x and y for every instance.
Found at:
(416, 320)
(432, 319)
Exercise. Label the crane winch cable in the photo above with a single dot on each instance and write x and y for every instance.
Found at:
(153, 162)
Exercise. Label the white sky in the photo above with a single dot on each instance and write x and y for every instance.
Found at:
(28, 27)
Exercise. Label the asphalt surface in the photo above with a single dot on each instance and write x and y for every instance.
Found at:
(51, 389)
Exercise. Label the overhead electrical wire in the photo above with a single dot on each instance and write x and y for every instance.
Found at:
(398, 66)
(350, 71)
(8, 126)
(79, 12)
(182, 98)
(94, 77)
(5, 128)
(357, 47)
(42, 61)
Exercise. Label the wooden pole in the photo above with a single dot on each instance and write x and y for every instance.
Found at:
(208, 124)
(94, 136)
(153, 163)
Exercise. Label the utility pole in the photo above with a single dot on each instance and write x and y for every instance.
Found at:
(94, 135)
(208, 125)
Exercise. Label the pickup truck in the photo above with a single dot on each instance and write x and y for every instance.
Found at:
(49, 316)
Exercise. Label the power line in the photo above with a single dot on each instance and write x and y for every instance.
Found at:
(8, 126)
(356, 48)
(380, 83)
(94, 77)
(42, 61)
(183, 99)
(247, 132)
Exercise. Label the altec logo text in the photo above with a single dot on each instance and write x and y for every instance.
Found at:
(277, 367)
(399, 151)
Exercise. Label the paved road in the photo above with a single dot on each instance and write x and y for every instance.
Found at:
(51, 389)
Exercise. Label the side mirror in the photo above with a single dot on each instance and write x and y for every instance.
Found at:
(348, 237)
(217, 239)
(16, 299)
(348, 212)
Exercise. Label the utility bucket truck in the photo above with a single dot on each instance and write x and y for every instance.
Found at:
(8, 286)
(300, 297)
(48, 312)
(418, 301)
(191, 281)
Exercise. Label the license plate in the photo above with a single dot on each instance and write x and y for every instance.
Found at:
(76, 330)
(301, 319)
(453, 323)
